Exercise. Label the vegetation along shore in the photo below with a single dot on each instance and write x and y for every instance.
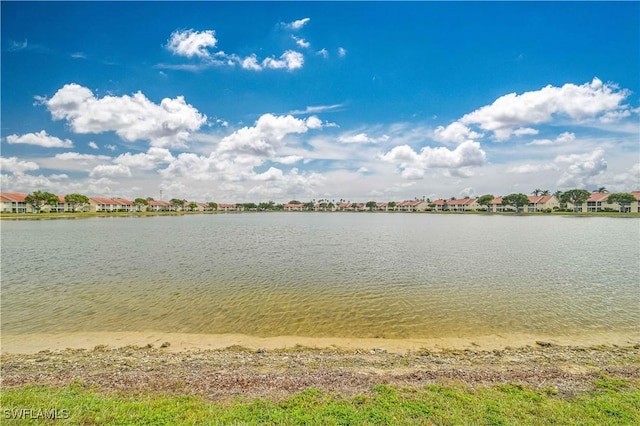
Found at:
(536, 384)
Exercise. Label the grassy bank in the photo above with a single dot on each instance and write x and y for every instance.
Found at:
(613, 402)
(545, 384)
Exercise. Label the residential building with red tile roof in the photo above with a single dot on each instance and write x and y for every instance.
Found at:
(14, 202)
(540, 203)
(293, 207)
(411, 206)
(159, 206)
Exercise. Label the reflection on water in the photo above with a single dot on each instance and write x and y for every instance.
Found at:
(322, 274)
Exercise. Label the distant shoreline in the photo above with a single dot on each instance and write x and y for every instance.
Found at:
(88, 215)
(181, 342)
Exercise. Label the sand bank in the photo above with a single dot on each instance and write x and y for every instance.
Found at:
(179, 342)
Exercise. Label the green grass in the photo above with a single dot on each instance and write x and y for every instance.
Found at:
(613, 402)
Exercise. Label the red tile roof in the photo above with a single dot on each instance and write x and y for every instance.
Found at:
(15, 197)
(539, 199)
(598, 196)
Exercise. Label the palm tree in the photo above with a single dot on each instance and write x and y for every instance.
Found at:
(536, 192)
(601, 190)
(545, 192)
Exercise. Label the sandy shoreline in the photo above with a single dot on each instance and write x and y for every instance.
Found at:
(180, 342)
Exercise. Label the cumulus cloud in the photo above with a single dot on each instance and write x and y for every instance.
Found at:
(145, 161)
(301, 42)
(130, 117)
(110, 170)
(342, 52)
(40, 139)
(15, 165)
(93, 145)
(265, 136)
(289, 159)
(565, 137)
(290, 60)
(323, 52)
(587, 101)
(413, 165)
(296, 25)
(191, 43)
(455, 132)
(362, 138)
(76, 156)
(238, 154)
(580, 168)
(525, 131)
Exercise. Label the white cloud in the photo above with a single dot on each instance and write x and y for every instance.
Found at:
(130, 117)
(301, 42)
(76, 156)
(191, 43)
(296, 25)
(251, 63)
(93, 145)
(530, 168)
(362, 138)
(110, 170)
(541, 142)
(40, 139)
(315, 109)
(342, 52)
(455, 132)
(566, 137)
(313, 122)
(15, 165)
(289, 60)
(264, 137)
(289, 159)
(111, 147)
(145, 161)
(580, 168)
(413, 164)
(525, 131)
(512, 111)
(323, 52)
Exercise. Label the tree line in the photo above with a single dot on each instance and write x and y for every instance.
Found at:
(39, 199)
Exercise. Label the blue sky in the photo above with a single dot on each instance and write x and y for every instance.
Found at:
(239, 101)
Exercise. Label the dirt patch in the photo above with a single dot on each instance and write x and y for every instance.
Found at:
(236, 371)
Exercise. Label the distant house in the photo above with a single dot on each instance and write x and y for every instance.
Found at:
(61, 207)
(14, 202)
(159, 206)
(230, 207)
(294, 207)
(496, 206)
(596, 202)
(463, 205)
(100, 204)
(382, 206)
(539, 203)
(635, 206)
(343, 207)
(411, 206)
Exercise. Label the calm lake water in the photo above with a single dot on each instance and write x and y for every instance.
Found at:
(322, 274)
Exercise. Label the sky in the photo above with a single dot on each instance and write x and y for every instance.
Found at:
(258, 101)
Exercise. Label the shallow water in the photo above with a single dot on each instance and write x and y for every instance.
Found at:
(322, 274)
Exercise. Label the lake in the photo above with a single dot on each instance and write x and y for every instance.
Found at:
(322, 274)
